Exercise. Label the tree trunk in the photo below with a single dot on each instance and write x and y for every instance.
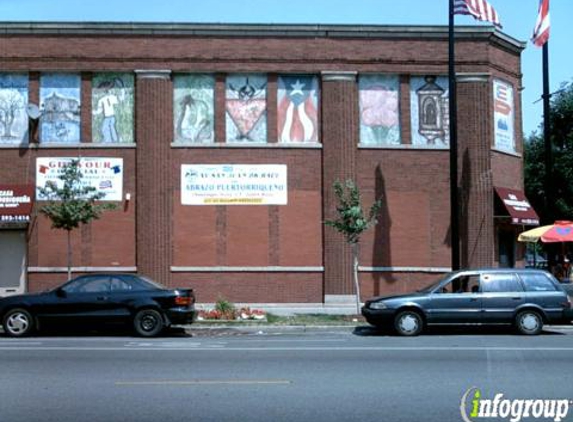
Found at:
(355, 251)
(8, 129)
(69, 254)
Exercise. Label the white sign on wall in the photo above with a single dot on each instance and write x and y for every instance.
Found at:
(104, 174)
(503, 116)
(234, 184)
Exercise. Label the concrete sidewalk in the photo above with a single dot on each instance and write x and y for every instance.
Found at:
(216, 330)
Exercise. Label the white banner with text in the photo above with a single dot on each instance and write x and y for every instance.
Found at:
(234, 184)
(104, 174)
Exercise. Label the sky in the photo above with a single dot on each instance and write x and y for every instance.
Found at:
(517, 17)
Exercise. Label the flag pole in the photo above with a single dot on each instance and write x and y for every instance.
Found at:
(454, 213)
(547, 136)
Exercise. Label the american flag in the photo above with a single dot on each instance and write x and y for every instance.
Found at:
(479, 9)
(541, 31)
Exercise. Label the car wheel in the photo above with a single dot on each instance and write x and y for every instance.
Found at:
(148, 322)
(408, 323)
(18, 323)
(529, 323)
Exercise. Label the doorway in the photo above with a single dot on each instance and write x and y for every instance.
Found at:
(12, 262)
(506, 248)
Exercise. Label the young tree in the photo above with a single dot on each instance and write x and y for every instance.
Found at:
(72, 204)
(352, 221)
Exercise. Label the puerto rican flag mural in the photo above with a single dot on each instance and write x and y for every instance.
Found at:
(297, 109)
(541, 31)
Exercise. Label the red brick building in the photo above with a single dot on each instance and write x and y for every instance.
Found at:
(221, 144)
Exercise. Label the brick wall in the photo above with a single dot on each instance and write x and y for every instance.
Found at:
(340, 135)
(154, 110)
(155, 232)
(476, 190)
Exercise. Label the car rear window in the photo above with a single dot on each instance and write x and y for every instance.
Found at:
(499, 283)
(148, 283)
(538, 283)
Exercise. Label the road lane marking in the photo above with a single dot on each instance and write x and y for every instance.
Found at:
(163, 344)
(204, 382)
(275, 340)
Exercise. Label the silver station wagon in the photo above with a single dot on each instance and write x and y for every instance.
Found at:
(526, 298)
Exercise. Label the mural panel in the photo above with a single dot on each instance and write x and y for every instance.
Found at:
(13, 102)
(246, 106)
(379, 109)
(297, 108)
(60, 107)
(503, 116)
(429, 105)
(193, 106)
(112, 107)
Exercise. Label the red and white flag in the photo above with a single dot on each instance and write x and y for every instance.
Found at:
(479, 9)
(541, 31)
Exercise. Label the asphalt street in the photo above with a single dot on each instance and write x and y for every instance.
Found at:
(321, 374)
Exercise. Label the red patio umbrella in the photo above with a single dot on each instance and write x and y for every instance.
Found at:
(560, 231)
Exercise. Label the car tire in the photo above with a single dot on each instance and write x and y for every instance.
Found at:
(408, 323)
(18, 323)
(148, 322)
(529, 323)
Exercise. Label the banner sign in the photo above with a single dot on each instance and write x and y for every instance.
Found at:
(16, 203)
(503, 116)
(104, 174)
(234, 184)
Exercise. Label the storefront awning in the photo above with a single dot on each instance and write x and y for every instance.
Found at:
(517, 206)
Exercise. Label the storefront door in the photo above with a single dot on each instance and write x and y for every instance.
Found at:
(506, 247)
(12, 262)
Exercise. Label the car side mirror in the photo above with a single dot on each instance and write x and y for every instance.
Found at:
(61, 293)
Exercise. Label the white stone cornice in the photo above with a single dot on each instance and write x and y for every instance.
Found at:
(153, 74)
(338, 76)
(472, 77)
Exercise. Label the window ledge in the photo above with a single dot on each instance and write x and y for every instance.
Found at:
(80, 145)
(301, 145)
(404, 146)
(505, 152)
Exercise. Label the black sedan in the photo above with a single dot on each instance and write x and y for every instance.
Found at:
(100, 298)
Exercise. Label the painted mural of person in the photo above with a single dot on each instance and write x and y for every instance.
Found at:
(194, 121)
(106, 106)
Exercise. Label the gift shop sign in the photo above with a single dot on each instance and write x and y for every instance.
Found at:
(16, 203)
(234, 184)
(104, 174)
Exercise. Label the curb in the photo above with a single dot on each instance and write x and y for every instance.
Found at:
(215, 330)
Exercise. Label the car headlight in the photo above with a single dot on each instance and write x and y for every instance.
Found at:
(378, 305)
